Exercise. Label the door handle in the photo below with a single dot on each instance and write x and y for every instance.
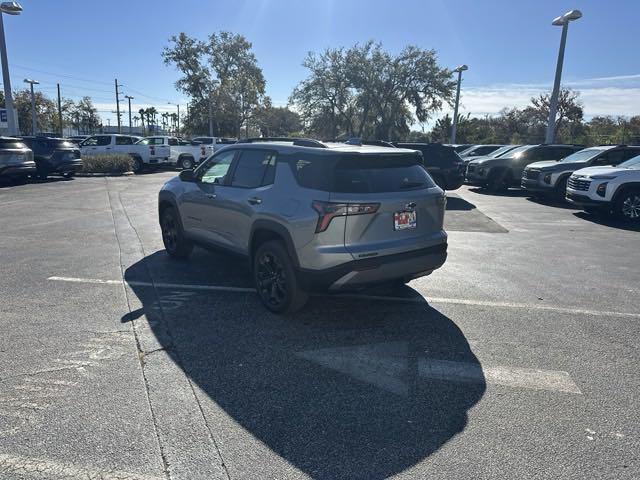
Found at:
(254, 201)
(211, 195)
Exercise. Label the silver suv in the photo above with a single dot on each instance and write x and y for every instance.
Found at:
(310, 216)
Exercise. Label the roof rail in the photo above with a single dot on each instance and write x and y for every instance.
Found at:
(301, 142)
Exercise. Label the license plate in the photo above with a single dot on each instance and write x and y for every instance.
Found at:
(404, 220)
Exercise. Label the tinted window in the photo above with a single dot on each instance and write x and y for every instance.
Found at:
(434, 155)
(173, 142)
(151, 141)
(204, 141)
(216, 167)
(252, 167)
(380, 173)
(124, 141)
(59, 143)
(90, 142)
(103, 140)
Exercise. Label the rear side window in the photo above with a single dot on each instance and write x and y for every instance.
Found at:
(254, 168)
(361, 173)
(103, 140)
(379, 174)
(124, 141)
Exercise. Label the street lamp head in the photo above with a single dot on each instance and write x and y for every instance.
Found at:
(570, 16)
(10, 8)
(461, 68)
(32, 82)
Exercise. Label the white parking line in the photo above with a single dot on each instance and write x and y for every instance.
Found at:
(44, 468)
(388, 366)
(418, 299)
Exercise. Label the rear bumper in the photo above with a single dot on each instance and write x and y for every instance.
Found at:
(584, 201)
(18, 170)
(68, 167)
(369, 271)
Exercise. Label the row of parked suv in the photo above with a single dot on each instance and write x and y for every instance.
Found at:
(598, 179)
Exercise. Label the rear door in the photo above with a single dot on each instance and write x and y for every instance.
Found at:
(410, 208)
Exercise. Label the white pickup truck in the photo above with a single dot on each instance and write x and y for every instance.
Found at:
(184, 154)
(143, 155)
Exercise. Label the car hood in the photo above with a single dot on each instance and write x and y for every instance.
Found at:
(591, 171)
(555, 166)
(488, 162)
(473, 158)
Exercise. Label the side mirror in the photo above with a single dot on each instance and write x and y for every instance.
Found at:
(187, 176)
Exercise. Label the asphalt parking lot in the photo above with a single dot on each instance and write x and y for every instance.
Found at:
(518, 359)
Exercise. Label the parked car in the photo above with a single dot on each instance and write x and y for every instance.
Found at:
(183, 153)
(54, 156)
(216, 142)
(77, 139)
(479, 150)
(503, 172)
(310, 216)
(143, 155)
(16, 159)
(459, 147)
(550, 177)
(502, 151)
(442, 162)
(608, 189)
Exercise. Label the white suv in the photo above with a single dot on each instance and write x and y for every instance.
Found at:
(610, 189)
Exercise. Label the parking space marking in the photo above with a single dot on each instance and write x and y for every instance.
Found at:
(388, 366)
(44, 468)
(418, 299)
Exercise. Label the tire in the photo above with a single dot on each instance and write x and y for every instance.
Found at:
(41, 173)
(275, 279)
(175, 242)
(627, 206)
(187, 163)
(138, 165)
(498, 181)
(561, 189)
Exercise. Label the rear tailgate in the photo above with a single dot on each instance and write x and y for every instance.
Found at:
(410, 210)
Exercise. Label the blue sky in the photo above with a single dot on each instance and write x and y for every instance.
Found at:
(510, 46)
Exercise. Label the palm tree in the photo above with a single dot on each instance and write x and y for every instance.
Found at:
(142, 114)
(136, 119)
(152, 112)
(164, 116)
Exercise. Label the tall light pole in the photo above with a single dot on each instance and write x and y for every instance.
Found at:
(561, 21)
(33, 105)
(129, 97)
(10, 8)
(459, 69)
(178, 123)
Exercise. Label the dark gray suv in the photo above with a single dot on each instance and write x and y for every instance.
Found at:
(310, 216)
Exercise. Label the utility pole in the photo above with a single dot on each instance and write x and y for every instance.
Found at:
(34, 123)
(210, 118)
(129, 97)
(60, 112)
(454, 127)
(13, 8)
(178, 127)
(118, 105)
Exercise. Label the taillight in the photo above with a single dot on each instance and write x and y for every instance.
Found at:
(202, 151)
(152, 149)
(327, 211)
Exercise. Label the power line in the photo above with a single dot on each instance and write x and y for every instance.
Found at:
(59, 74)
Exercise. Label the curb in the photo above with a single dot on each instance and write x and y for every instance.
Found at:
(85, 174)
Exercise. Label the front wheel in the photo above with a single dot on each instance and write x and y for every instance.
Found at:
(627, 206)
(175, 242)
(275, 279)
(498, 181)
(561, 189)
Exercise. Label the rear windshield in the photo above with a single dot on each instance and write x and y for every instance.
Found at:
(11, 143)
(361, 173)
(62, 143)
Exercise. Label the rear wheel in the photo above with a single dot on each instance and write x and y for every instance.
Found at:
(275, 279)
(175, 242)
(187, 163)
(627, 206)
(137, 165)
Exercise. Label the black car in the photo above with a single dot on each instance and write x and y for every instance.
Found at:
(54, 156)
(442, 162)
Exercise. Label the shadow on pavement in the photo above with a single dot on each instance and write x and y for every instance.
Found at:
(550, 202)
(347, 388)
(511, 192)
(608, 221)
(457, 203)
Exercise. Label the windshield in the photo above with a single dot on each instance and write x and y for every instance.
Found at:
(583, 156)
(518, 150)
(633, 163)
(502, 151)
